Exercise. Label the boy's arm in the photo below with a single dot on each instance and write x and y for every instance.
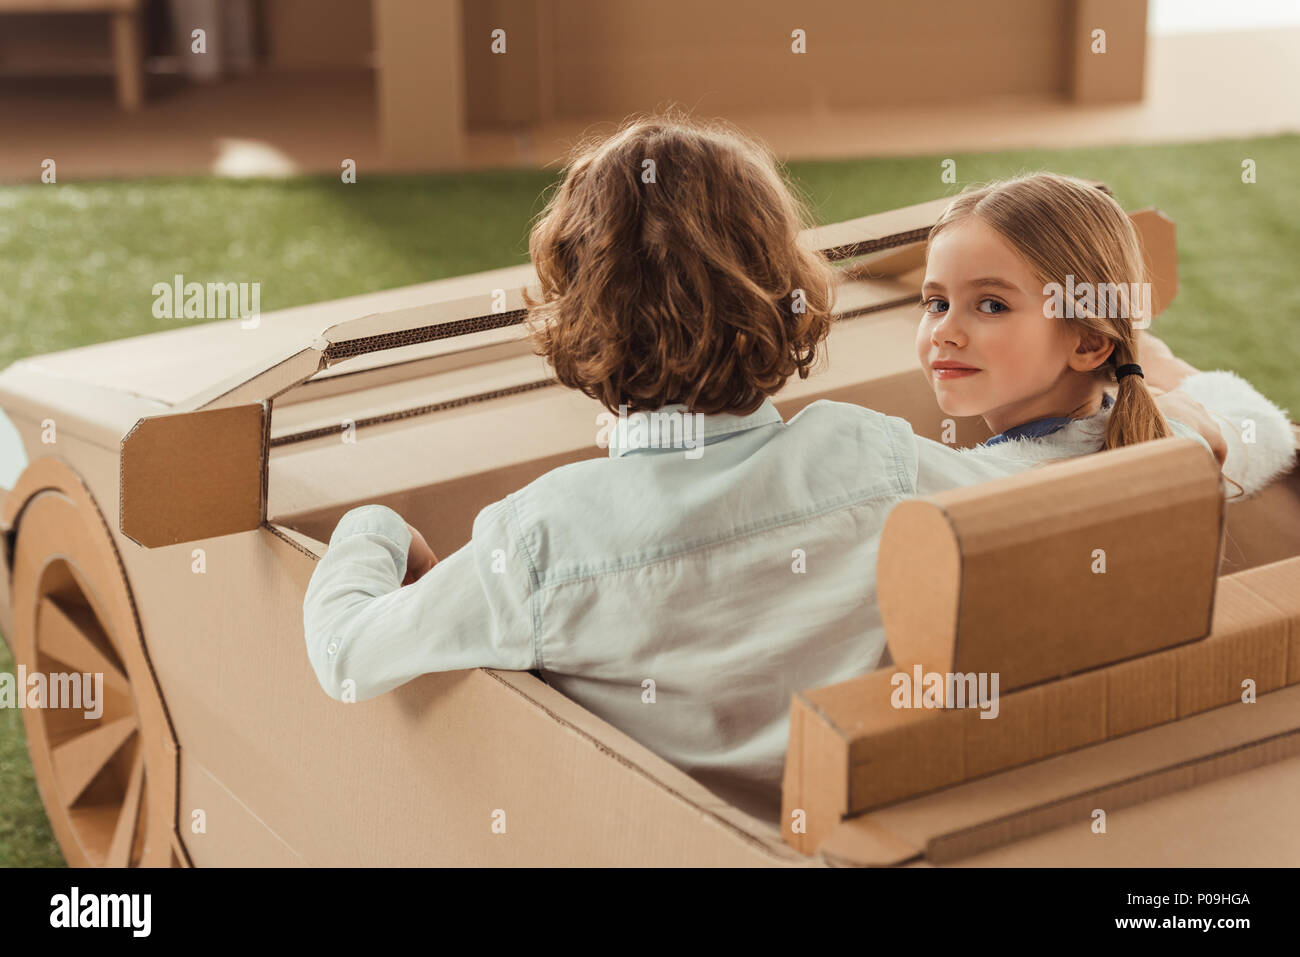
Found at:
(367, 634)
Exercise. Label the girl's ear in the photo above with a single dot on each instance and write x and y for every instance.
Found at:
(1090, 351)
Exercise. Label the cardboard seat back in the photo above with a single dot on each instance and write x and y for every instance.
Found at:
(1057, 569)
(1139, 635)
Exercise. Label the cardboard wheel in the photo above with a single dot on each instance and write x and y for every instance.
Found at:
(106, 773)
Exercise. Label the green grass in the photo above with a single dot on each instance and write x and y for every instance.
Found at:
(78, 262)
(25, 836)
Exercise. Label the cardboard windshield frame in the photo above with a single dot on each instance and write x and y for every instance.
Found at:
(185, 510)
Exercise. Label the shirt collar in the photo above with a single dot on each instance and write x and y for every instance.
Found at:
(671, 427)
(1046, 426)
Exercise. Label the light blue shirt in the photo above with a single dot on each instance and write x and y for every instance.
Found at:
(684, 595)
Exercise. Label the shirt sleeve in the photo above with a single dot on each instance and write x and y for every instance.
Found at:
(1261, 443)
(366, 634)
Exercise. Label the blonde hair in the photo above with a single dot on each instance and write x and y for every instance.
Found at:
(1063, 226)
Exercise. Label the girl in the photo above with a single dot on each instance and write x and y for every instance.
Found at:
(683, 597)
(1056, 378)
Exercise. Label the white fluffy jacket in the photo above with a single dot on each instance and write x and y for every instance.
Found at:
(1231, 400)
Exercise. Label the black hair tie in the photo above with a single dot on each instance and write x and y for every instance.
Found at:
(1129, 368)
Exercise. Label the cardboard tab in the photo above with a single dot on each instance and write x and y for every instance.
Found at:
(194, 475)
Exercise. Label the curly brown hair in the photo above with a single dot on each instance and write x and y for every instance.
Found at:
(671, 271)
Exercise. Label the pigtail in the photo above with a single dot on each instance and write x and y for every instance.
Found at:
(1135, 416)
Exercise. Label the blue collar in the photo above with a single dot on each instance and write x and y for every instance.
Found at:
(1040, 427)
(672, 427)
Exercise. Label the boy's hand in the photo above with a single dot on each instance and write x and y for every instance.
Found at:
(419, 559)
(1180, 406)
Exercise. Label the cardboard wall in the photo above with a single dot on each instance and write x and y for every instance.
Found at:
(76, 44)
(420, 88)
(318, 34)
(1117, 74)
(740, 53)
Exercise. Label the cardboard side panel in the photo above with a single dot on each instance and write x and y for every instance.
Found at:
(231, 835)
(413, 777)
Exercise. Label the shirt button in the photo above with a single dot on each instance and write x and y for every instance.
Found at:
(332, 648)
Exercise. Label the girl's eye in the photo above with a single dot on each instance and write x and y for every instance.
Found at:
(1001, 306)
(933, 304)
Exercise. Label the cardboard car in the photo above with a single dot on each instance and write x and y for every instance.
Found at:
(177, 490)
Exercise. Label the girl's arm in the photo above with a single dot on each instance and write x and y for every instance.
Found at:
(1261, 445)
(366, 634)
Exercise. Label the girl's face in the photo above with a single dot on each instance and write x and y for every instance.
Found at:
(984, 309)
